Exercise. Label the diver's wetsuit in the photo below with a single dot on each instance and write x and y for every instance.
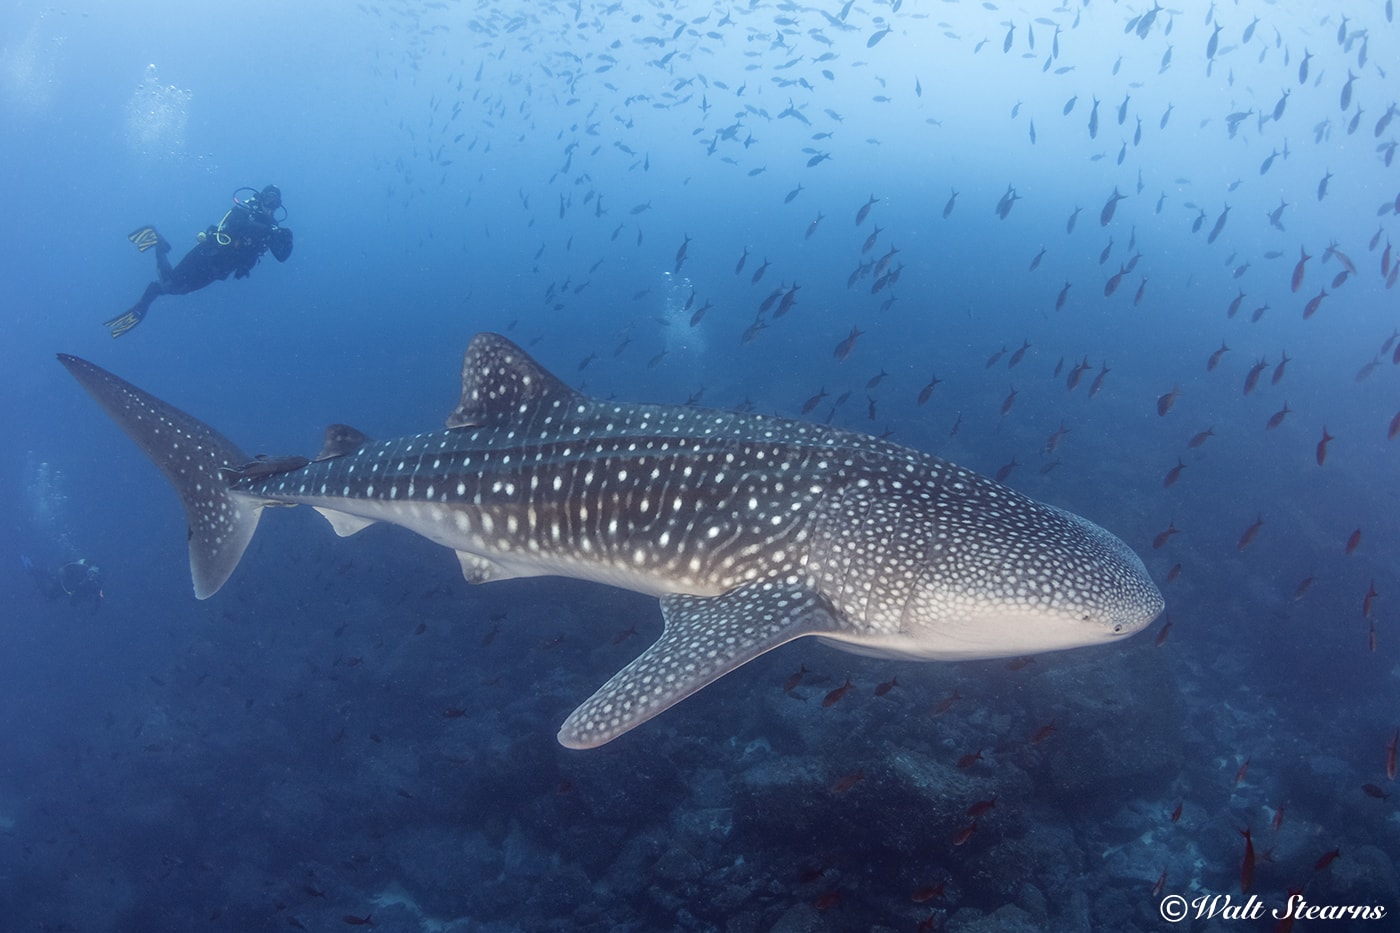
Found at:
(232, 248)
(80, 581)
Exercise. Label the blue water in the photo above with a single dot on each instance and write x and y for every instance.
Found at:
(279, 756)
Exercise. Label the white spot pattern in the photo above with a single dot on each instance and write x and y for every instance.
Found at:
(874, 544)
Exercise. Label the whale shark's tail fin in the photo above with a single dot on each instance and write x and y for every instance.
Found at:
(196, 459)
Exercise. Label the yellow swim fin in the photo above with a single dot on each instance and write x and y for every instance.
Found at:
(125, 322)
(144, 238)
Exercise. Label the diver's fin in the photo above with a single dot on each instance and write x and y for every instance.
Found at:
(195, 458)
(144, 238)
(125, 322)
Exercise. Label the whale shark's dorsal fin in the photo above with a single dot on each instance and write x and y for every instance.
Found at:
(705, 638)
(340, 440)
(501, 382)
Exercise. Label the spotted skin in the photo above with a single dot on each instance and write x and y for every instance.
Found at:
(752, 530)
(196, 459)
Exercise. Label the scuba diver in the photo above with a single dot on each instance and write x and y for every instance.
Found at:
(235, 245)
(79, 580)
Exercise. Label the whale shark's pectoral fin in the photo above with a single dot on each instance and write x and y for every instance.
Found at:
(341, 440)
(705, 638)
(344, 523)
(479, 569)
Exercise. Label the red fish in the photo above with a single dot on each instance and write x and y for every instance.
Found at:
(1173, 474)
(620, 637)
(926, 392)
(1371, 637)
(1235, 304)
(828, 900)
(1162, 635)
(1373, 790)
(1096, 386)
(1111, 285)
(1304, 585)
(1327, 859)
(1277, 417)
(1244, 769)
(1161, 883)
(1076, 374)
(848, 345)
(1250, 533)
(354, 921)
(1043, 733)
(967, 761)
(946, 703)
(1015, 664)
(1322, 446)
(1298, 269)
(453, 712)
(846, 783)
(1173, 573)
(1285, 925)
(981, 806)
(1278, 818)
(1251, 378)
(1390, 755)
(791, 683)
(926, 894)
(1371, 594)
(1166, 400)
(1214, 360)
(1311, 308)
(1247, 865)
(1394, 430)
(1354, 541)
(965, 833)
(1164, 536)
(886, 687)
(834, 697)
(1009, 401)
(1176, 814)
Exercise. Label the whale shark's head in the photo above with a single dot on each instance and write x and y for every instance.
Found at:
(1056, 582)
(992, 574)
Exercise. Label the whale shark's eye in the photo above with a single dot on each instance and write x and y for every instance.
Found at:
(1118, 628)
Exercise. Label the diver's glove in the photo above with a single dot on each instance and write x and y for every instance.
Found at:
(125, 322)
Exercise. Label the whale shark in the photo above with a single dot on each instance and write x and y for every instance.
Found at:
(752, 530)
